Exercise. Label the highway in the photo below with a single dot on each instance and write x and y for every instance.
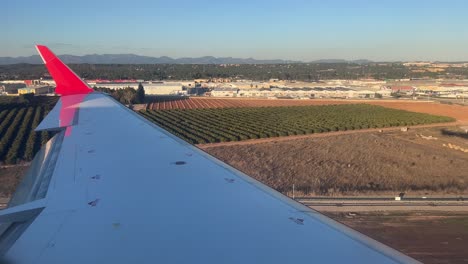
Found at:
(385, 203)
(380, 198)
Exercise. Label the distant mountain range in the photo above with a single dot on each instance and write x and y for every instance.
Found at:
(137, 59)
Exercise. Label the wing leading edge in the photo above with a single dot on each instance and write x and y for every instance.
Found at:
(120, 189)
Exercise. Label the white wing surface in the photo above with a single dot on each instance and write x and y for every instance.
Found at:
(111, 187)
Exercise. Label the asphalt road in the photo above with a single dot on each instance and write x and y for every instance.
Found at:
(347, 204)
(403, 198)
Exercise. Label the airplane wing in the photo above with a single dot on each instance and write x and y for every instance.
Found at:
(112, 187)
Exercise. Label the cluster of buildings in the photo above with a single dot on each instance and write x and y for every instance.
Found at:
(36, 87)
(345, 89)
(47, 87)
(274, 88)
(451, 89)
(433, 67)
(435, 64)
(151, 87)
(296, 93)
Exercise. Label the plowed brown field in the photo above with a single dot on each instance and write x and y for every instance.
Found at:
(205, 102)
(430, 237)
(435, 108)
(456, 111)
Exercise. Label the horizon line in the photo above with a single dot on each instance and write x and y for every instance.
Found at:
(241, 58)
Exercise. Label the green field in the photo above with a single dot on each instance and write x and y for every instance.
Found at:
(19, 117)
(199, 126)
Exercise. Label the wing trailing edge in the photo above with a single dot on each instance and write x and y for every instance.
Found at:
(67, 82)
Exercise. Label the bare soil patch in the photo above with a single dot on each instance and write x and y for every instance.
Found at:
(9, 179)
(456, 111)
(430, 237)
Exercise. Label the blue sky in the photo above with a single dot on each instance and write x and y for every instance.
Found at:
(299, 30)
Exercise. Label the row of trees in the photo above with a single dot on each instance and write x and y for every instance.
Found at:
(18, 118)
(299, 71)
(19, 142)
(126, 96)
(199, 126)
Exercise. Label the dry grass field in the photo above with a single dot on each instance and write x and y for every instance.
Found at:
(420, 161)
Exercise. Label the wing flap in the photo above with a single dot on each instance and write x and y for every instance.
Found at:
(64, 114)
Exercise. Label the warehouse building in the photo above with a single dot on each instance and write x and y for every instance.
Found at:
(37, 90)
(151, 88)
(224, 92)
(11, 88)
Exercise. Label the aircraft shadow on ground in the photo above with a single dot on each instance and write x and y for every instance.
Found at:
(167, 98)
(454, 133)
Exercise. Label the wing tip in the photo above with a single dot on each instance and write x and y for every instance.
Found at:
(67, 82)
(45, 53)
(38, 48)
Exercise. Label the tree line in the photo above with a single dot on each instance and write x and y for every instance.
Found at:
(127, 95)
(297, 71)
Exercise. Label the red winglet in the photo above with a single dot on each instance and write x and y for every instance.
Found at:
(67, 82)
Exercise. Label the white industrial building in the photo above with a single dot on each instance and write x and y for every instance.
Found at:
(151, 88)
(298, 93)
(225, 92)
(163, 88)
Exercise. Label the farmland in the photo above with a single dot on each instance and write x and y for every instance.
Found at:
(207, 125)
(177, 102)
(20, 115)
(18, 118)
(434, 108)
